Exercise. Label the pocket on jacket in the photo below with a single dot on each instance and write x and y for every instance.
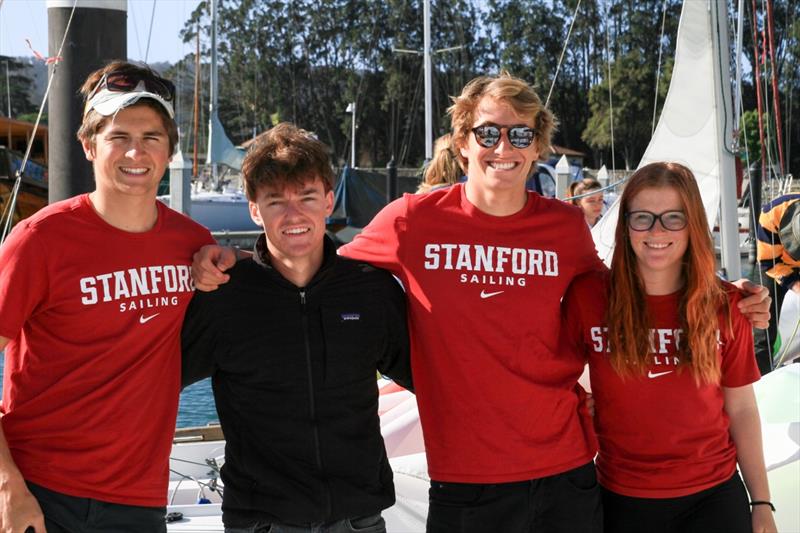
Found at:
(354, 337)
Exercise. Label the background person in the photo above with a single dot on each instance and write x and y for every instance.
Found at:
(93, 290)
(778, 254)
(592, 204)
(675, 409)
(444, 169)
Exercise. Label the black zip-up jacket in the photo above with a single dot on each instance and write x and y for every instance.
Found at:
(294, 378)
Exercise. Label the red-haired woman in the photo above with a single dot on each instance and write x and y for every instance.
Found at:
(672, 365)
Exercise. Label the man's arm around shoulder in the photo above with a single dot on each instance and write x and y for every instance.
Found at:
(395, 362)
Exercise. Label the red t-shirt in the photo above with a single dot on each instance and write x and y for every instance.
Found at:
(661, 435)
(496, 394)
(92, 371)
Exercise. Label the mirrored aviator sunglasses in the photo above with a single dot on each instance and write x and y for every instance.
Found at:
(123, 82)
(645, 220)
(488, 135)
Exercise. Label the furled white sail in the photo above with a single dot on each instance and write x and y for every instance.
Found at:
(221, 149)
(688, 129)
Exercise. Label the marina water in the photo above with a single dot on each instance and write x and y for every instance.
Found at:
(196, 404)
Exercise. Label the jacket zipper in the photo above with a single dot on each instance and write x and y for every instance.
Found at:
(311, 408)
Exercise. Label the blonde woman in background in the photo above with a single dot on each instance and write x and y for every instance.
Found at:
(443, 170)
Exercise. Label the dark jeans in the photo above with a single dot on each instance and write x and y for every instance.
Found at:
(720, 509)
(364, 524)
(68, 514)
(563, 503)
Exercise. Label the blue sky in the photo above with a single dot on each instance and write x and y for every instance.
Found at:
(27, 19)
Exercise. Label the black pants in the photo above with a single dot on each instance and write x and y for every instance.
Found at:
(720, 509)
(68, 514)
(568, 503)
(765, 339)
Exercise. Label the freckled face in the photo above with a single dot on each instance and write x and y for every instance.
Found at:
(659, 252)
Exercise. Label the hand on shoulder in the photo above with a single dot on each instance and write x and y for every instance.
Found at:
(209, 264)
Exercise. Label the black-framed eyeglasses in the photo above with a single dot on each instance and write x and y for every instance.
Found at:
(488, 135)
(124, 82)
(645, 220)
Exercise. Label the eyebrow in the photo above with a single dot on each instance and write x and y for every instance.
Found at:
(302, 192)
(117, 130)
(495, 124)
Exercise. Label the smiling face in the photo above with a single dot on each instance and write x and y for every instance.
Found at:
(500, 169)
(293, 219)
(659, 252)
(129, 153)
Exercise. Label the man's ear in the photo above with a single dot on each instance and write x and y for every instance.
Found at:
(328, 203)
(88, 148)
(254, 214)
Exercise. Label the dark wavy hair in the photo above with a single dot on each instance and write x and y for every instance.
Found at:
(285, 155)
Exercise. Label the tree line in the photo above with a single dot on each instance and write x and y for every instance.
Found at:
(304, 61)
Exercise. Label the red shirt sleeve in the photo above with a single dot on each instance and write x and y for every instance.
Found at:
(380, 243)
(592, 261)
(23, 278)
(739, 366)
(571, 317)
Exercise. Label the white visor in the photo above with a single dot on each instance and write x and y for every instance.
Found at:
(108, 103)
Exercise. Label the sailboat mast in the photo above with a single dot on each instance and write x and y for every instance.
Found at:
(426, 12)
(195, 166)
(212, 96)
(757, 83)
(728, 216)
(776, 103)
(737, 100)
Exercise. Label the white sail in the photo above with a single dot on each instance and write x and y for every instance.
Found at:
(688, 129)
(221, 150)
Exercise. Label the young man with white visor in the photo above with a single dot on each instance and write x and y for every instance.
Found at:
(93, 290)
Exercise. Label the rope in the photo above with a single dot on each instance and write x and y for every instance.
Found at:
(595, 191)
(788, 105)
(136, 31)
(563, 51)
(15, 190)
(212, 485)
(150, 31)
(754, 226)
(658, 67)
(722, 81)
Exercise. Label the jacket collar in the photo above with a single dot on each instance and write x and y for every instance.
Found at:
(262, 257)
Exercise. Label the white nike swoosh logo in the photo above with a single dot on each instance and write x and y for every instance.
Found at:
(652, 374)
(485, 294)
(143, 319)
